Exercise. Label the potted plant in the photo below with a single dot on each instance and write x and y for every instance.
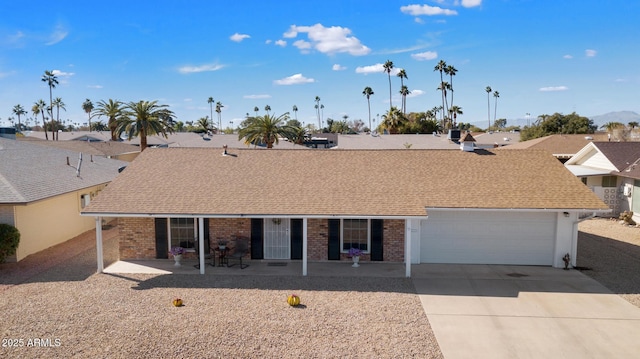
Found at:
(177, 253)
(222, 244)
(355, 254)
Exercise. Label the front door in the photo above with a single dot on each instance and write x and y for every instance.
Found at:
(277, 241)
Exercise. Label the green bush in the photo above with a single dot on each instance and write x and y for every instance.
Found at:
(9, 240)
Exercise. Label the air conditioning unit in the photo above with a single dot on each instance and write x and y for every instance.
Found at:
(85, 199)
(626, 191)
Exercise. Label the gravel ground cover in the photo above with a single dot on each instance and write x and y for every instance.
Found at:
(611, 252)
(79, 314)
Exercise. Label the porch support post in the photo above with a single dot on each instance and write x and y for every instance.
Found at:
(99, 253)
(407, 248)
(304, 246)
(201, 243)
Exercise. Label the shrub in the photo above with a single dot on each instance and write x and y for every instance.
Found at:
(626, 217)
(9, 240)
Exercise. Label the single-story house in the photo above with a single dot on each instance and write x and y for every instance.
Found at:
(561, 146)
(405, 206)
(610, 170)
(43, 190)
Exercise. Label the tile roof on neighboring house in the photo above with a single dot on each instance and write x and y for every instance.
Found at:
(108, 148)
(201, 181)
(560, 145)
(31, 172)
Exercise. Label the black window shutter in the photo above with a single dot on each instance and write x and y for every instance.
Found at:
(376, 239)
(334, 240)
(161, 238)
(207, 241)
(296, 238)
(257, 234)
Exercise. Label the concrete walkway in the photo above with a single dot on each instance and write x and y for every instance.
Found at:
(492, 311)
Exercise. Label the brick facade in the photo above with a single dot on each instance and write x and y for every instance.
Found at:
(137, 237)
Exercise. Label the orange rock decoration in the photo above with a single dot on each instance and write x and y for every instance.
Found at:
(293, 300)
(177, 302)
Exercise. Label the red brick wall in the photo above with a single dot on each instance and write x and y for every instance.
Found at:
(137, 238)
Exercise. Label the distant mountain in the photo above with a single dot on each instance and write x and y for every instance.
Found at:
(623, 117)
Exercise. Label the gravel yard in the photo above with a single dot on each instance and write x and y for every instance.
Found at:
(611, 251)
(131, 316)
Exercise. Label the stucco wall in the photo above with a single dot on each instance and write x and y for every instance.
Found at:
(52, 221)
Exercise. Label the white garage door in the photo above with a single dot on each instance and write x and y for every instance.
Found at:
(488, 238)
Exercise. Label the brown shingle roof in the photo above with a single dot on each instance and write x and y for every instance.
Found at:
(201, 181)
(560, 144)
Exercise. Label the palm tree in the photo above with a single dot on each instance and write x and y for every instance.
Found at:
(219, 107)
(441, 66)
(402, 74)
(488, 89)
(38, 108)
(204, 123)
(267, 108)
(632, 124)
(322, 112)
(87, 106)
(444, 86)
(144, 118)
(52, 81)
(113, 111)
(318, 110)
(266, 130)
(388, 66)
(57, 102)
(404, 92)
(454, 111)
(18, 110)
(210, 102)
(451, 71)
(392, 120)
(295, 111)
(367, 92)
(255, 109)
(496, 94)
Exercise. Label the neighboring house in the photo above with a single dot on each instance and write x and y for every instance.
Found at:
(412, 206)
(109, 149)
(610, 169)
(42, 192)
(563, 147)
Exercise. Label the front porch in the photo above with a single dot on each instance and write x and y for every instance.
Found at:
(262, 268)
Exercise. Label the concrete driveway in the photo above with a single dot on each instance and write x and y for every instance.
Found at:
(494, 311)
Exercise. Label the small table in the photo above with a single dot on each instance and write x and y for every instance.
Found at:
(222, 256)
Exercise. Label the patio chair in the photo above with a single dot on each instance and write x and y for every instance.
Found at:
(207, 254)
(240, 250)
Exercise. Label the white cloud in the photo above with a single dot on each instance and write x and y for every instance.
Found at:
(95, 86)
(590, 53)
(568, 57)
(377, 68)
(415, 93)
(554, 88)
(338, 67)
(268, 42)
(57, 35)
(471, 3)
(201, 68)
(59, 73)
(423, 56)
(188, 100)
(304, 46)
(238, 37)
(253, 97)
(417, 10)
(281, 43)
(294, 80)
(327, 40)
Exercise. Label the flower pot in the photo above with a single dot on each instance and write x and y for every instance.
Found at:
(356, 260)
(177, 258)
(222, 247)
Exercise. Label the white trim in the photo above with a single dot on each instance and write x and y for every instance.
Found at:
(196, 215)
(448, 209)
(201, 244)
(304, 246)
(99, 253)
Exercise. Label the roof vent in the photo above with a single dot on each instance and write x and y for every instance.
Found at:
(588, 138)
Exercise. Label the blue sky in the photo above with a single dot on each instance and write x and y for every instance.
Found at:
(543, 56)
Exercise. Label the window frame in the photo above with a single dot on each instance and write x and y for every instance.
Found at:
(342, 234)
(195, 233)
(606, 181)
